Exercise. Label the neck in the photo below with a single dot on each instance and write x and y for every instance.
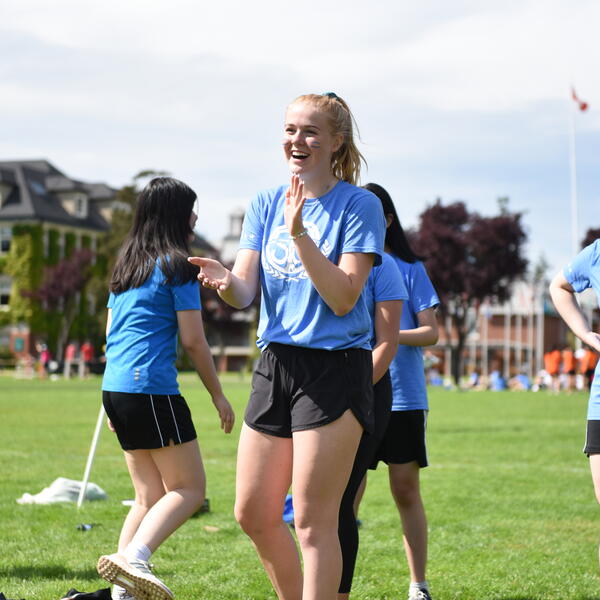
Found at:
(319, 186)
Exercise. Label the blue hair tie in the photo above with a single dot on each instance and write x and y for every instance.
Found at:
(331, 95)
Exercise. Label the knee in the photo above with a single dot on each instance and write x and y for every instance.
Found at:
(311, 527)
(406, 492)
(146, 500)
(254, 521)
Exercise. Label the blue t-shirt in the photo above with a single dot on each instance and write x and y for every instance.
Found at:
(385, 283)
(583, 272)
(407, 371)
(141, 346)
(346, 219)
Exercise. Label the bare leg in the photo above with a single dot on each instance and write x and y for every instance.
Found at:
(264, 475)
(181, 471)
(323, 459)
(404, 483)
(149, 489)
(595, 468)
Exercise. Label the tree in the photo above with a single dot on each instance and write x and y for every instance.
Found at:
(591, 235)
(470, 258)
(60, 288)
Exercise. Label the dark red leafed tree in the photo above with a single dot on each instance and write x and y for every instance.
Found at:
(60, 287)
(469, 258)
(591, 235)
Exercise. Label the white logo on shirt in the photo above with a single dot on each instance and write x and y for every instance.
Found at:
(280, 258)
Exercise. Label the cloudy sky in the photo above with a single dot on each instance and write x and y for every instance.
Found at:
(465, 99)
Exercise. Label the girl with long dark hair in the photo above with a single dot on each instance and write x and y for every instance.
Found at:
(154, 293)
(311, 245)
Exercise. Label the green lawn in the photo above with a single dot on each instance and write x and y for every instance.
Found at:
(511, 508)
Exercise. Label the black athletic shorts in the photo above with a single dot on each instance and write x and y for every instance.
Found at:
(295, 388)
(592, 438)
(148, 421)
(404, 439)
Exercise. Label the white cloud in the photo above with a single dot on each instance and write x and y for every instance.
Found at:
(461, 99)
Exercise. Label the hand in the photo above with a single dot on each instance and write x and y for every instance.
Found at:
(592, 339)
(212, 273)
(110, 425)
(226, 413)
(294, 201)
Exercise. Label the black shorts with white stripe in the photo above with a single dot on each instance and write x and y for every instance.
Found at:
(149, 421)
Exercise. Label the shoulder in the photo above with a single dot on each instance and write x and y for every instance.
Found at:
(268, 196)
(594, 252)
(355, 195)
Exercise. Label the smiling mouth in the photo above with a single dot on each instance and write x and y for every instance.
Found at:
(299, 155)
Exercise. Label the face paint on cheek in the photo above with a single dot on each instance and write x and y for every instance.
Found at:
(314, 144)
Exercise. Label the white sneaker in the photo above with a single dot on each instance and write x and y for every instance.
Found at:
(120, 593)
(420, 594)
(134, 576)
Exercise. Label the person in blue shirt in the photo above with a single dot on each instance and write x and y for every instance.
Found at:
(154, 293)
(311, 246)
(384, 293)
(582, 273)
(403, 445)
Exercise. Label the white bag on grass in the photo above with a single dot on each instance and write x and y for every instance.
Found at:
(63, 490)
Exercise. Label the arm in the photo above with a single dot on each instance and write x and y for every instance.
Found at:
(426, 334)
(387, 323)
(236, 287)
(563, 296)
(191, 332)
(339, 285)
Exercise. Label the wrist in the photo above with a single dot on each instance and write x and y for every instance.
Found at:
(299, 235)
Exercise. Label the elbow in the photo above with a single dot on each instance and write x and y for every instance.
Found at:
(192, 345)
(341, 310)
(433, 337)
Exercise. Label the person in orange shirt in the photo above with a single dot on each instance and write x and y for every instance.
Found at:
(568, 366)
(587, 365)
(552, 366)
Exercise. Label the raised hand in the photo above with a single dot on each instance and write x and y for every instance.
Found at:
(212, 273)
(294, 201)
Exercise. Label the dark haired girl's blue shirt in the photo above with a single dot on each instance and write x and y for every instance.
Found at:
(346, 219)
(141, 345)
(407, 371)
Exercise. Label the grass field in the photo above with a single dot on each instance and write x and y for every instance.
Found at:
(512, 514)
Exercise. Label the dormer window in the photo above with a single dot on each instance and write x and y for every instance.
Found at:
(5, 286)
(81, 208)
(5, 238)
(75, 203)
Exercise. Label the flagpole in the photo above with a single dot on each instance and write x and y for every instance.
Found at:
(573, 170)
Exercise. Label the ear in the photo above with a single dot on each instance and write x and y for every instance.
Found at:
(389, 219)
(338, 140)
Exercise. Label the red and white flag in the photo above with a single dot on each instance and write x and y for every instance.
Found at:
(583, 106)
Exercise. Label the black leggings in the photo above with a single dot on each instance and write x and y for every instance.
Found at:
(347, 528)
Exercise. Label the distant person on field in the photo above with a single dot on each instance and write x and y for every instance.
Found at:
(568, 367)
(155, 294)
(579, 275)
(552, 362)
(70, 356)
(587, 366)
(520, 382)
(86, 356)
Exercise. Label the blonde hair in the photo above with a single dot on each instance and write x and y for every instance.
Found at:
(346, 160)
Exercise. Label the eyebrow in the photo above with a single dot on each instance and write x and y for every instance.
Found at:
(304, 126)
